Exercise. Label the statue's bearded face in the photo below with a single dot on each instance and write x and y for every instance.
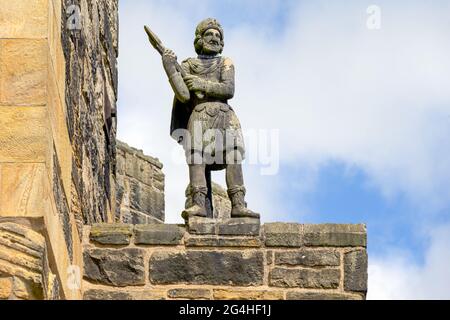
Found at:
(212, 42)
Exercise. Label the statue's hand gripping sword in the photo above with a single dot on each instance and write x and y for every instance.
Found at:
(157, 44)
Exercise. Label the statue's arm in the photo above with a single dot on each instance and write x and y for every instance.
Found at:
(179, 87)
(175, 79)
(223, 89)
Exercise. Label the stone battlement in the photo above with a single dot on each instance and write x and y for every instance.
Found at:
(220, 260)
(139, 187)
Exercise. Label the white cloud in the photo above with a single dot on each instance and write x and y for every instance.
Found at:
(398, 276)
(378, 100)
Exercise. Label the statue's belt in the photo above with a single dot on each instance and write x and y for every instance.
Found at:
(212, 108)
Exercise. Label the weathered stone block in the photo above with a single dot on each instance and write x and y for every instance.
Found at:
(23, 75)
(54, 288)
(5, 288)
(146, 294)
(120, 161)
(225, 227)
(335, 235)
(153, 220)
(221, 201)
(199, 225)
(158, 205)
(140, 196)
(119, 268)
(235, 268)
(146, 199)
(320, 296)
(305, 278)
(116, 234)
(238, 226)
(24, 136)
(158, 174)
(159, 234)
(134, 164)
(269, 257)
(239, 242)
(134, 217)
(308, 258)
(22, 258)
(218, 241)
(20, 181)
(90, 104)
(62, 206)
(23, 19)
(138, 169)
(229, 294)
(27, 290)
(21, 252)
(283, 235)
(355, 271)
(56, 61)
(159, 185)
(100, 294)
(58, 121)
(191, 294)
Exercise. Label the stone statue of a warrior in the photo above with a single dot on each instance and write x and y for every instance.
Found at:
(203, 121)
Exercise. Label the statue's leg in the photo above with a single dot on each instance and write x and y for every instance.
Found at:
(198, 191)
(197, 175)
(234, 175)
(209, 206)
(236, 192)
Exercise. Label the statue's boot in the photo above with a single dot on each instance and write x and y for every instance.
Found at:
(238, 205)
(198, 203)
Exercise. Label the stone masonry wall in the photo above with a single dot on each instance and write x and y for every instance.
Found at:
(58, 92)
(35, 153)
(140, 187)
(24, 266)
(90, 46)
(228, 259)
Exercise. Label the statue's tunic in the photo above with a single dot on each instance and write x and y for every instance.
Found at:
(211, 111)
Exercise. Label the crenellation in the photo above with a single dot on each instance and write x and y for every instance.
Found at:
(113, 234)
(139, 187)
(355, 271)
(283, 235)
(159, 234)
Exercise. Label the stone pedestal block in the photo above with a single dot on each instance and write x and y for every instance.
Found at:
(224, 227)
(159, 234)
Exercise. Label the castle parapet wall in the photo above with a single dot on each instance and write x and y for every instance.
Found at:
(225, 259)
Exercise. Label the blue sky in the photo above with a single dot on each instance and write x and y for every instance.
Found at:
(363, 118)
(343, 195)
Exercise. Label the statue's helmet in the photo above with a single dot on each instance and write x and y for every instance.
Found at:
(206, 24)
